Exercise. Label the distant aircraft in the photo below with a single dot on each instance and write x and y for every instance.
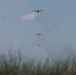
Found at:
(39, 34)
(38, 11)
(39, 44)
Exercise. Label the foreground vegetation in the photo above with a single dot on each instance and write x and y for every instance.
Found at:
(17, 65)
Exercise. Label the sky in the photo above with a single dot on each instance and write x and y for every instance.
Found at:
(19, 26)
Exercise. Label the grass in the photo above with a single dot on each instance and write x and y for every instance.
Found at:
(15, 64)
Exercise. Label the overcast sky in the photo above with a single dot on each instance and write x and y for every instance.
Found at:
(18, 26)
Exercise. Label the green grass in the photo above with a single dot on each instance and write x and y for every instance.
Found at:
(15, 64)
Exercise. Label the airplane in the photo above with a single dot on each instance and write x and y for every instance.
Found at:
(39, 34)
(38, 11)
(39, 45)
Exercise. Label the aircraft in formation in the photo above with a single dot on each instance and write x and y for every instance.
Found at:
(38, 11)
